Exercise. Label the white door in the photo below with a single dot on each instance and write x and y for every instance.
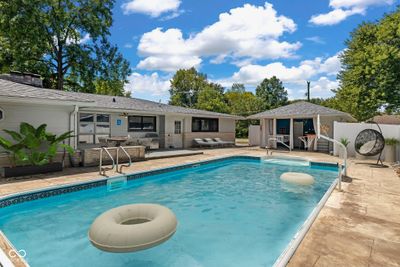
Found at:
(177, 136)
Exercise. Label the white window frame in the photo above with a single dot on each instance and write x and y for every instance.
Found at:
(95, 123)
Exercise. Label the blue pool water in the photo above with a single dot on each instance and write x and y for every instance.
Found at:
(234, 212)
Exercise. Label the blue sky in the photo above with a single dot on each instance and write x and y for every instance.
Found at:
(238, 41)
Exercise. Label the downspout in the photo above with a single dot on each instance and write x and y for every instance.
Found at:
(341, 172)
(72, 126)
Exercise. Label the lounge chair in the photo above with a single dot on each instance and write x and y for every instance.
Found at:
(200, 142)
(224, 143)
(212, 142)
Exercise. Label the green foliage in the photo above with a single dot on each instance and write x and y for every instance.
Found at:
(185, 87)
(65, 41)
(370, 77)
(34, 146)
(272, 92)
(345, 141)
(391, 141)
(210, 98)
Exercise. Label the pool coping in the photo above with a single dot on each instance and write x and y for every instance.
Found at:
(282, 260)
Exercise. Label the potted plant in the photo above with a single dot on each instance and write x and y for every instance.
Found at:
(33, 150)
(390, 149)
(345, 141)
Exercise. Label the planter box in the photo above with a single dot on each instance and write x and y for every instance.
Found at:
(29, 170)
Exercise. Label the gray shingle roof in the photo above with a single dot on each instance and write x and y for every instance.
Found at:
(297, 109)
(12, 89)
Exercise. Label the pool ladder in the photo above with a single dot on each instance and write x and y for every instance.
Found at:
(115, 164)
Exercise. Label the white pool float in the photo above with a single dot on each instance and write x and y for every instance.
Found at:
(297, 178)
(132, 227)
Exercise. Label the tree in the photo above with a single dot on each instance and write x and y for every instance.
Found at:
(60, 40)
(185, 87)
(272, 92)
(210, 98)
(237, 87)
(370, 80)
(243, 103)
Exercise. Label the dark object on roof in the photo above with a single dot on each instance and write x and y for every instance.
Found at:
(24, 78)
(387, 119)
(370, 142)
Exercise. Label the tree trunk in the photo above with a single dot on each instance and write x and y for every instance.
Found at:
(60, 74)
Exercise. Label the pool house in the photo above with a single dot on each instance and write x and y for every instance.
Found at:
(293, 126)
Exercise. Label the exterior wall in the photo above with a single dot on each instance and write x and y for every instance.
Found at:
(57, 119)
(122, 130)
(226, 131)
(351, 130)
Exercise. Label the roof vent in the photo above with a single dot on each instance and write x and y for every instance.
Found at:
(23, 77)
(114, 99)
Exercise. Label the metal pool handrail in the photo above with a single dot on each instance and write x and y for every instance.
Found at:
(102, 170)
(127, 154)
(341, 171)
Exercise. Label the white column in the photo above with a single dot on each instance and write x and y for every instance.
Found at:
(274, 127)
(291, 143)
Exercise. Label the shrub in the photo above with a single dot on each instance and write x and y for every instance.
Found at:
(34, 146)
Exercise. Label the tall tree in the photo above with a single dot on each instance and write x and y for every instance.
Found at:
(212, 99)
(272, 92)
(370, 80)
(59, 39)
(243, 103)
(185, 87)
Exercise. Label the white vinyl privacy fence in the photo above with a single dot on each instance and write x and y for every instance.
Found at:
(254, 135)
(351, 130)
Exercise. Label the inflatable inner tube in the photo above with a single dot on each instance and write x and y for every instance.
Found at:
(132, 227)
(297, 178)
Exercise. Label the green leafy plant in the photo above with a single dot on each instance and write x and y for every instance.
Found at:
(345, 141)
(391, 141)
(34, 146)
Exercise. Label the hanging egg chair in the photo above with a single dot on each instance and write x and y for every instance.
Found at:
(370, 142)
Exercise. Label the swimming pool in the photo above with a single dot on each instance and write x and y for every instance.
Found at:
(231, 212)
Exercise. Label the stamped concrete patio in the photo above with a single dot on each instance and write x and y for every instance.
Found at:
(359, 226)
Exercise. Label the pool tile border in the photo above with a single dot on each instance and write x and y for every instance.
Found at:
(60, 190)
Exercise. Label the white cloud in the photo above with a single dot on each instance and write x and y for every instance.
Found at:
(128, 45)
(342, 9)
(321, 72)
(323, 87)
(153, 8)
(152, 84)
(316, 39)
(243, 33)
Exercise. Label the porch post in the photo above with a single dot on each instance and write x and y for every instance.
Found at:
(291, 143)
(274, 126)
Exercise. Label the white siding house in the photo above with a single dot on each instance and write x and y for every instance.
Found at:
(91, 117)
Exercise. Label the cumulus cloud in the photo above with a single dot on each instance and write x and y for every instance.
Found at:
(153, 8)
(143, 83)
(253, 74)
(247, 32)
(342, 9)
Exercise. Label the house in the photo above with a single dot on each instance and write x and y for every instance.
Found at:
(293, 123)
(92, 116)
(386, 119)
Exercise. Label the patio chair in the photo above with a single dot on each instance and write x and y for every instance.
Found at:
(212, 142)
(200, 143)
(224, 143)
(102, 141)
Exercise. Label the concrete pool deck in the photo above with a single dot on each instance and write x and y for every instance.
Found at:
(359, 226)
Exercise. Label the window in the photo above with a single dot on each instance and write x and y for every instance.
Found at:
(141, 124)
(1, 114)
(178, 127)
(93, 126)
(204, 125)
